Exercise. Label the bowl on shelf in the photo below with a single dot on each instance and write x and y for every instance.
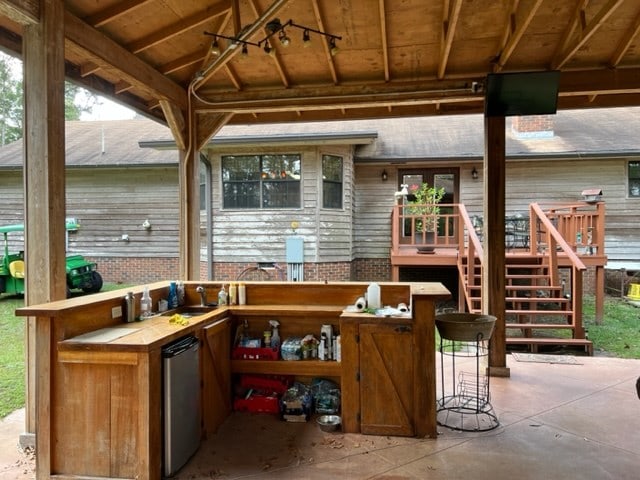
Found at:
(465, 327)
(329, 423)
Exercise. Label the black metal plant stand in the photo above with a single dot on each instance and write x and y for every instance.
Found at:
(466, 405)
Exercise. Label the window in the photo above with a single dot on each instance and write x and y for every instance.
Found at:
(261, 181)
(634, 179)
(331, 181)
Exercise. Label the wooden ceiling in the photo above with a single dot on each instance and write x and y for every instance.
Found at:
(395, 57)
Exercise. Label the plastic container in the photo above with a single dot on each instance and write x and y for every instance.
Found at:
(173, 295)
(222, 296)
(373, 296)
(233, 294)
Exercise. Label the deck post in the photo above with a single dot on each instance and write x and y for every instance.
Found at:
(493, 282)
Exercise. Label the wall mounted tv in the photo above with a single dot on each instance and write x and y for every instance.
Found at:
(521, 93)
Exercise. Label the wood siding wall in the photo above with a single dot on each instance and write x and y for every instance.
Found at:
(110, 203)
(260, 236)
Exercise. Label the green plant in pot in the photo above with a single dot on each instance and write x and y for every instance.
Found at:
(424, 202)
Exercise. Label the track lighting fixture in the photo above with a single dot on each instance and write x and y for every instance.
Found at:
(274, 27)
(215, 48)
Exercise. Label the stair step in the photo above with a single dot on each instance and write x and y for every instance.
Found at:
(552, 341)
(538, 300)
(538, 325)
(525, 276)
(534, 287)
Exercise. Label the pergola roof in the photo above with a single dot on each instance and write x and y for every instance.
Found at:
(396, 58)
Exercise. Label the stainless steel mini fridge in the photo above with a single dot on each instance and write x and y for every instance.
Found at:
(181, 402)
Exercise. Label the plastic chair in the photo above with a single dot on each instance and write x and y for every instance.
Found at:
(16, 268)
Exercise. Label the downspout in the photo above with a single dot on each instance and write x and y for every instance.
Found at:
(208, 188)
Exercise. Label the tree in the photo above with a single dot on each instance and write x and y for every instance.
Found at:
(76, 100)
(10, 103)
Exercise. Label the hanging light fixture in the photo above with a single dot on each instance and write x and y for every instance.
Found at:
(306, 38)
(215, 48)
(275, 27)
(474, 173)
(333, 48)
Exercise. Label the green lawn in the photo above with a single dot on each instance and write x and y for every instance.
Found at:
(619, 336)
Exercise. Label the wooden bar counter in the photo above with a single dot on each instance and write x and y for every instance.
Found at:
(99, 380)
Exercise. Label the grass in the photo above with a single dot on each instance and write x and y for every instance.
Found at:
(618, 336)
(12, 361)
(619, 333)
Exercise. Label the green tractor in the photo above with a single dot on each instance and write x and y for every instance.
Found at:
(81, 274)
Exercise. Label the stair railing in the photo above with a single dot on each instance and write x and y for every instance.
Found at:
(554, 243)
(470, 249)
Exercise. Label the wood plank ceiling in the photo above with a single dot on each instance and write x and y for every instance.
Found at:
(395, 57)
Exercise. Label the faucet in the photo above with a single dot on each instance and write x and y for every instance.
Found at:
(203, 295)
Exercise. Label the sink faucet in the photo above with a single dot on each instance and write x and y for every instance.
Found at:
(203, 295)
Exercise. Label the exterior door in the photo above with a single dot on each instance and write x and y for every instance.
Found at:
(386, 365)
(447, 178)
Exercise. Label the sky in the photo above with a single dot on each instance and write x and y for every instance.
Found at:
(107, 110)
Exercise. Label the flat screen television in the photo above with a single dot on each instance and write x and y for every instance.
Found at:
(521, 93)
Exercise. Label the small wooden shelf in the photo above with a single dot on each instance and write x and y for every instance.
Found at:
(283, 367)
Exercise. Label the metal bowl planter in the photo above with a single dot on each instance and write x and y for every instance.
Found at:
(465, 327)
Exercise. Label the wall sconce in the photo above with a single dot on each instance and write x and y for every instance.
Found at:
(146, 224)
(125, 237)
(384, 176)
(474, 173)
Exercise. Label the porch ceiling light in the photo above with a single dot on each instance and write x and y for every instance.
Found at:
(274, 27)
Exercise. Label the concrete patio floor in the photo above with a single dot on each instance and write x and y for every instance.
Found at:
(556, 421)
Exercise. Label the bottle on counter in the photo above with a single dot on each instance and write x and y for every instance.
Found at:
(232, 293)
(181, 294)
(145, 303)
(173, 295)
(222, 296)
(242, 294)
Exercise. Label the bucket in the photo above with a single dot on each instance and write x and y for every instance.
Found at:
(634, 291)
(465, 327)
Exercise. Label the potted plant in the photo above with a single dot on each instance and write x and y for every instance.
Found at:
(424, 202)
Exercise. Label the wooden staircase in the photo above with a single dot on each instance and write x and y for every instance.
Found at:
(541, 308)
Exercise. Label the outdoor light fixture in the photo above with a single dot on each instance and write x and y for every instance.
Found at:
(275, 27)
(385, 177)
(474, 173)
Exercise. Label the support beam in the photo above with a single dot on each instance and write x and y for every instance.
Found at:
(44, 194)
(493, 283)
(24, 12)
(175, 120)
(109, 54)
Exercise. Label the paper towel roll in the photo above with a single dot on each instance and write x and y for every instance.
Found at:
(403, 307)
(360, 304)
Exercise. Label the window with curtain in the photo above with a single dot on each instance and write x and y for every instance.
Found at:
(331, 181)
(261, 181)
(634, 179)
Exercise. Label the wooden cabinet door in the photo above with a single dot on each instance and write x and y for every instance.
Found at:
(386, 380)
(216, 374)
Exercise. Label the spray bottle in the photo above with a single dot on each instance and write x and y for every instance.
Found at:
(222, 296)
(275, 335)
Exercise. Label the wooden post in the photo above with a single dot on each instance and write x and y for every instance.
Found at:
(190, 206)
(493, 283)
(44, 196)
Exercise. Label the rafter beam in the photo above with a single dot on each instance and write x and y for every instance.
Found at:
(327, 52)
(24, 12)
(108, 54)
(605, 12)
(625, 43)
(383, 40)
(516, 35)
(114, 12)
(178, 28)
(449, 23)
(276, 60)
